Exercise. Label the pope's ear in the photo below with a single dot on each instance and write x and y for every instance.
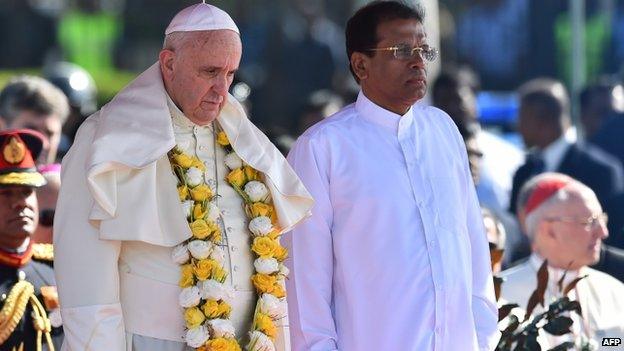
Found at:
(360, 64)
(166, 59)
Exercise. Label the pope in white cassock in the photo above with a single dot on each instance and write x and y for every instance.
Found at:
(168, 222)
(394, 256)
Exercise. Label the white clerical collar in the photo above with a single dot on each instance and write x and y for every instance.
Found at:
(553, 154)
(554, 274)
(180, 121)
(380, 116)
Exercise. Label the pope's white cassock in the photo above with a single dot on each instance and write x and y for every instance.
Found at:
(394, 256)
(600, 295)
(119, 216)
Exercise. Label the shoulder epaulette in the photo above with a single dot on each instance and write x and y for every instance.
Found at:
(43, 252)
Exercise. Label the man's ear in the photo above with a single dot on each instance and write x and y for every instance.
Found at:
(360, 64)
(166, 58)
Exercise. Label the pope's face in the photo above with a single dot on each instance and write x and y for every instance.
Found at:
(198, 74)
(18, 215)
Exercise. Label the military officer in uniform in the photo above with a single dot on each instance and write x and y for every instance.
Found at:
(29, 314)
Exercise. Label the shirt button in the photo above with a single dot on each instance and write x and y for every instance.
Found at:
(228, 229)
(438, 330)
(233, 248)
(235, 268)
(432, 243)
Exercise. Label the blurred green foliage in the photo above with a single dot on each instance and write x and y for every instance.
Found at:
(108, 83)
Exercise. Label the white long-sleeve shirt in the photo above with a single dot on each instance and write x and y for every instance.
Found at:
(394, 256)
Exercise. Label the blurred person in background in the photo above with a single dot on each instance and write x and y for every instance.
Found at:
(500, 56)
(139, 249)
(496, 238)
(27, 283)
(318, 106)
(566, 225)
(392, 190)
(455, 92)
(81, 92)
(46, 197)
(611, 259)
(34, 103)
(599, 103)
(545, 125)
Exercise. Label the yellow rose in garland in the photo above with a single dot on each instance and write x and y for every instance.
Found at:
(197, 163)
(264, 247)
(183, 160)
(265, 324)
(203, 269)
(211, 309)
(281, 253)
(222, 139)
(199, 211)
(258, 209)
(193, 317)
(236, 177)
(264, 283)
(201, 193)
(250, 173)
(224, 309)
(186, 276)
(183, 192)
(218, 273)
(218, 344)
(200, 229)
(278, 291)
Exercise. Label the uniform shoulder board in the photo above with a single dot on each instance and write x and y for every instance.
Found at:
(43, 252)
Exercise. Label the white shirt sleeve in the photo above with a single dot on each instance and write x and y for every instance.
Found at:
(85, 266)
(310, 244)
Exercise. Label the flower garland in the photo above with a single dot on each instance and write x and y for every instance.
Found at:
(205, 297)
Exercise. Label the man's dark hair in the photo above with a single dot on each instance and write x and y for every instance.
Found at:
(30, 93)
(455, 77)
(361, 31)
(548, 97)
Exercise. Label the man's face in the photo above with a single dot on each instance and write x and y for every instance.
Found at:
(48, 125)
(390, 82)
(571, 237)
(527, 125)
(18, 215)
(198, 75)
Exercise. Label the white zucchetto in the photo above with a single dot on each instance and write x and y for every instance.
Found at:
(201, 17)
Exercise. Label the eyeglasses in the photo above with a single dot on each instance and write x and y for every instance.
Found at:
(46, 217)
(587, 223)
(406, 52)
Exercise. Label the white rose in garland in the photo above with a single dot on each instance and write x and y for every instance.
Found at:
(256, 191)
(221, 328)
(190, 297)
(180, 254)
(187, 208)
(211, 290)
(197, 337)
(259, 342)
(218, 255)
(260, 226)
(200, 249)
(272, 306)
(266, 265)
(194, 177)
(232, 161)
(213, 212)
(283, 270)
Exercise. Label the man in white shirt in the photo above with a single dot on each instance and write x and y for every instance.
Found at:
(566, 226)
(121, 233)
(394, 256)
